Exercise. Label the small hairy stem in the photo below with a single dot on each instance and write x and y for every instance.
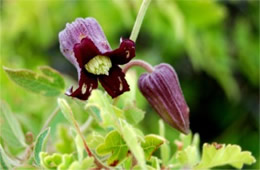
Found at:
(50, 118)
(81, 135)
(28, 153)
(90, 154)
(139, 19)
(139, 63)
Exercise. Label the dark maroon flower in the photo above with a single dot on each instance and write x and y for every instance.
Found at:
(84, 44)
(162, 90)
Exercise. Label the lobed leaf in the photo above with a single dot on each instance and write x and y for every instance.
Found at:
(115, 145)
(220, 154)
(188, 157)
(151, 144)
(39, 144)
(87, 163)
(56, 161)
(65, 142)
(49, 83)
(133, 114)
(131, 139)
(94, 140)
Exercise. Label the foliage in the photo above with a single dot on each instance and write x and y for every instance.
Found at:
(10, 127)
(217, 155)
(120, 144)
(212, 45)
(115, 145)
(48, 84)
(40, 140)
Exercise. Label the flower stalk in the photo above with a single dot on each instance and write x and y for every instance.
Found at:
(139, 63)
(50, 118)
(139, 19)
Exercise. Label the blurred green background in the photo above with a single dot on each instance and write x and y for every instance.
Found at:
(213, 45)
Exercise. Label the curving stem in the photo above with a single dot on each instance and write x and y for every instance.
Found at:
(139, 19)
(139, 63)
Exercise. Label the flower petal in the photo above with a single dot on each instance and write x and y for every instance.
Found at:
(115, 83)
(87, 83)
(85, 51)
(124, 53)
(76, 31)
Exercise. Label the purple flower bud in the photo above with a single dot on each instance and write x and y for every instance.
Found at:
(162, 90)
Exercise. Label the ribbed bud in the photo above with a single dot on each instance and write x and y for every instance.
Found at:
(162, 90)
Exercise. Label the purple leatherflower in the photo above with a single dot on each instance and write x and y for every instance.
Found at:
(84, 44)
(162, 90)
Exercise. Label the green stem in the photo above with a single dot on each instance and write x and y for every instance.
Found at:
(86, 125)
(90, 154)
(139, 19)
(76, 125)
(50, 118)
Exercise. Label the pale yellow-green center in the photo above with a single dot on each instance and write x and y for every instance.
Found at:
(99, 65)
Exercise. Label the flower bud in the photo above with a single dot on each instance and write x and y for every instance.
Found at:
(162, 90)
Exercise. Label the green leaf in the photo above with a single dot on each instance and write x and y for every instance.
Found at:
(56, 161)
(4, 163)
(58, 80)
(155, 162)
(131, 139)
(87, 163)
(103, 108)
(118, 112)
(10, 128)
(66, 161)
(186, 140)
(165, 148)
(133, 114)
(94, 140)
(127, 164)
(95, 112)
(49, 83)
(220, 154)
(115, 145)
(188, 157)
(80, 147)
(65, 142)
(151, 144)
(138, 167)
(66, 110)
(40, 141)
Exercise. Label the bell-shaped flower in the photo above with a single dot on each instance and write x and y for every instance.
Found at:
(84, 44)
(162, 90)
